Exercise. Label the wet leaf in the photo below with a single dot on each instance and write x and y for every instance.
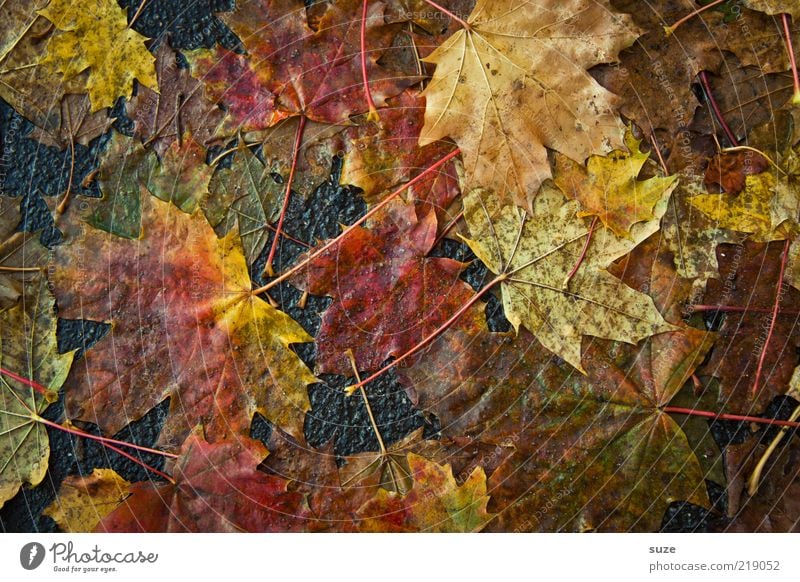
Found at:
(379, 155)
(83, 502)
(536, 254)
(28, 348)
(748, 279)
(21, 254)
(599, 454)
(185, 327)
(180, 106)
(388, 296)
(654, 77)
(76, 124)
(217, 489)
(436, 503)
(246, 194)
(730, 170)
(609, 187)
(182, 176)
(766, 208)
(94, 35)
(519, 74)
(292, 69)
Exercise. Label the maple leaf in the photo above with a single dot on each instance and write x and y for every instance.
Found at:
(763, 480)
(21, 254)
(387, 469)
(379, 155)
(765, 48)
(386, 261)
(767, 208)
(535, 259)
(654, 77)
(245, 194)
(515, 81)
(291, 69)
(748, 278)
(475, 382)
(436, 503)
(217, 489)
(608, 187)
(508, 391)
(75, 124)
(29, 349)
(690, 235)
(31, 90)
(180, 106)
(775, 7)
(599, 446)
(746, 97)
(322, 143)
(185, 326)
(95, 36)
(125, 165)
(128, 170)
(83, 501)
(182, 177)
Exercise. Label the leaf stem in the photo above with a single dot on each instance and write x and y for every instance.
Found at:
(774, 318)
(373, 112)
(444, 10)
(738, 309)
(431, 336)
(105, 441)
(657, 149)
(366, 402)
(671, 29)
(755, 478)
(759, 152)
(310, 258)
(720, 118)
(298, 140)
(565, 284)
(137, 13)
(30, 383)
(20, 269)
(790, 49)
(723, 416)
(101, 439)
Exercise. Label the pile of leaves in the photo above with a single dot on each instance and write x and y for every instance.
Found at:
(397, 265)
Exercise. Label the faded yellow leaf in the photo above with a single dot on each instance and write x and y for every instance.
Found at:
(608, 187)
(536, 254)
(94, 35)
(83, 501)
(691, 236)
(28, 348)
(515, 82)
(766, 208)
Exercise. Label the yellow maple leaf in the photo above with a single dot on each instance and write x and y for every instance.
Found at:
(95, 35)
(85, 500)
(764, 209)
(551, 281)
(608, 188)
(515, 81)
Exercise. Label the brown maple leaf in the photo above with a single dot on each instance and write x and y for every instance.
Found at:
(515, 81)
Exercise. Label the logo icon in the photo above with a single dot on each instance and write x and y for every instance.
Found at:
(31, 555)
